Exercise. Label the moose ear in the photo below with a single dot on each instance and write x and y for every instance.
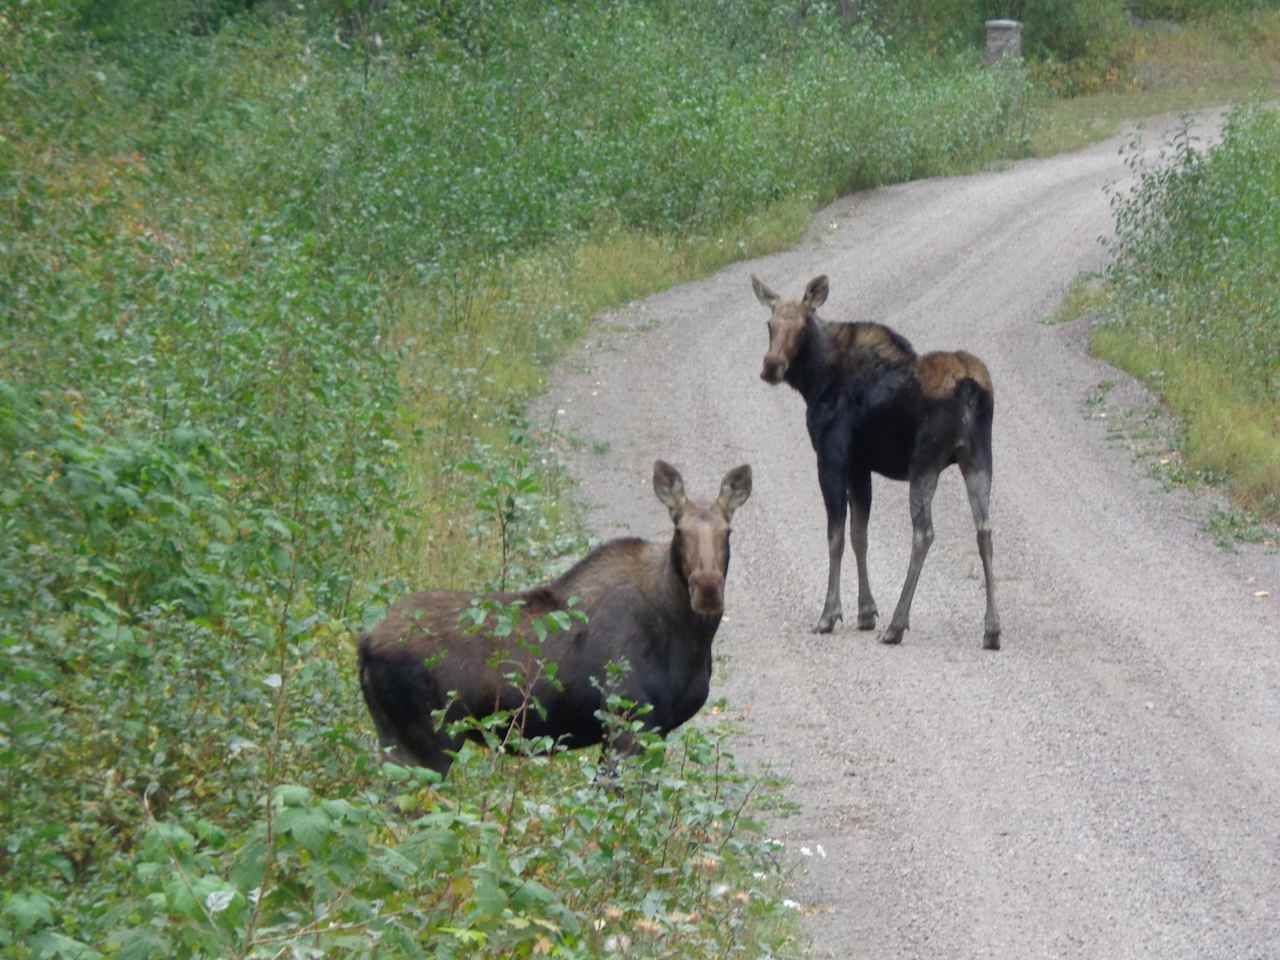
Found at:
(815, 294)
(734, 489)
(763, 293)
(669, 487)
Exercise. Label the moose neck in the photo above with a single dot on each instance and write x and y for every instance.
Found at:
(814, 363)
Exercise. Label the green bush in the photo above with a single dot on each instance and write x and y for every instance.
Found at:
(1196, 244)
(1191, 9)
(217, 249)
(1198, 299)
(1058, 29)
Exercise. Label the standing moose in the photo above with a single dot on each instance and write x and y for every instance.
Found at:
(873, 404)
(657, 605)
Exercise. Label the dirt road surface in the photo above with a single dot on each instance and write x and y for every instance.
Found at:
(1108, 784)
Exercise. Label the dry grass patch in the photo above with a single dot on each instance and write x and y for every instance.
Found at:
(1175, 67)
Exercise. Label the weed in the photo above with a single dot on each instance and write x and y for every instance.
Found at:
(1086, 296)
(1230, 527)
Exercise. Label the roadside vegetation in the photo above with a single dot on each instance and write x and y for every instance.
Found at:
(1193, 300)
(276, 283)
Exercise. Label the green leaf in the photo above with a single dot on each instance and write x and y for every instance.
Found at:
(29, 910)
(308, 825)
(250, 865)
(290, 795)
(140, 944)
(490, 898)
(463, 935)
(168, 841)
(51, 944)
(128, 496)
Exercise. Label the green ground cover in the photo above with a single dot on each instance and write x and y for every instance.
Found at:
(1194, 306)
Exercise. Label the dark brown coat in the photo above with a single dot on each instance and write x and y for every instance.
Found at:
(873, 405)
(655, 605)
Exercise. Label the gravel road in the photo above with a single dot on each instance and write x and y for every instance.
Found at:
(1108, 784)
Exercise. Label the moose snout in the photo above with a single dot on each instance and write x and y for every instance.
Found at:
(706, 594)
(773, 369)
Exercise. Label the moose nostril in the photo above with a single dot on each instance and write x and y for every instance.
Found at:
(707, 593)
(772, 370)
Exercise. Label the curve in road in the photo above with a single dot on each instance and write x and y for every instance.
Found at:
(1108, 785)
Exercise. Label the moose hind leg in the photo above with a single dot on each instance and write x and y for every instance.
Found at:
(977, 480)
(923, 486)
(859, 514)
(835, 498)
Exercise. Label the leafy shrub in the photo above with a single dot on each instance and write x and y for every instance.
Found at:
(1076, 46)
(243, 283)
(1190, 9)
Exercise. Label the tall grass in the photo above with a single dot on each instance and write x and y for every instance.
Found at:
(1197, 300)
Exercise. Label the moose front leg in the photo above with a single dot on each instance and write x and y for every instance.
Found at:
(860, 502)
(835, 496)
(922, 487)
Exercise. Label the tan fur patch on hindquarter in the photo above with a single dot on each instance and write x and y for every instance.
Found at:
(940, 372)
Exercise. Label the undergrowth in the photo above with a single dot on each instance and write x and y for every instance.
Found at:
(275, 288)
(1194, 307)
(1173, 66)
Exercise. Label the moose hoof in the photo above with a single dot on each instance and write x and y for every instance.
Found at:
(991, 641)
(867, 621)
(827, 622)
(892, 635)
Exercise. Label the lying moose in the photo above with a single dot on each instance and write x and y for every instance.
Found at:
(655, 604)
(873, 404)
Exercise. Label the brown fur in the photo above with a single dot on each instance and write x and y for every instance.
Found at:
(858, 341)
(940, 373)
(655, 605)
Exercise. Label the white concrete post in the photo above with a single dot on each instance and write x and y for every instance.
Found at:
(1004, 39)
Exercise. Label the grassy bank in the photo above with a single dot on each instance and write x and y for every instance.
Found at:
(1170, 66)
(1193, 301)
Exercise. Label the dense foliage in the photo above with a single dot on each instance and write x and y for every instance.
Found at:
(1073, 46)
(238, 299)
(1188, 9)
(1198, 296)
